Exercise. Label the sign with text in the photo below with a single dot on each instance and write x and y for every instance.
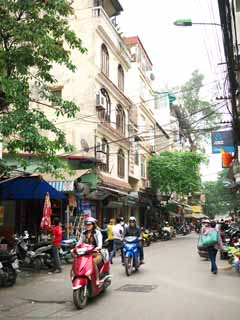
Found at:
(222, 140)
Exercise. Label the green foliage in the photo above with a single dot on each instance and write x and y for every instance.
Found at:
(219, 198)
(197, 114)
(175, 172)
(31, 38)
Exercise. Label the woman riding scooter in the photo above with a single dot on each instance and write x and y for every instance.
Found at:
(93, 236)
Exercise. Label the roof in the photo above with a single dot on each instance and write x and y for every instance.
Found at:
(132, 41)
(27, 188)
(112, 182)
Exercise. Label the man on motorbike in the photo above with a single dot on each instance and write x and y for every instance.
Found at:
(134, 231)
(91, 235)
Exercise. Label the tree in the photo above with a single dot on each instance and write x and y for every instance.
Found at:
(195, 115)
(219, 198)
(175, 172)
(32, 34)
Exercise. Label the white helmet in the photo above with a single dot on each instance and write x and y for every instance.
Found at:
(90, 220)
(132, 219)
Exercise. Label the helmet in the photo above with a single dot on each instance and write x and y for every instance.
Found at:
(132, 219)
(90, 220)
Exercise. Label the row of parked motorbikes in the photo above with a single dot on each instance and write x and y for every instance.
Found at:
(165, 233)
(27, 255)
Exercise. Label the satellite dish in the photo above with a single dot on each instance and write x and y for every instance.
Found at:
(152, 76)
(84, 145)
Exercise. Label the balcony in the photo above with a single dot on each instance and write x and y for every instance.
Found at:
(110, 29)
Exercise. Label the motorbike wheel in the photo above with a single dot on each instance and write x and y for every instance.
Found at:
(11, 279)
(128, 265)
(37, 264)
(69, 260)
(148, 242)
(80, 301)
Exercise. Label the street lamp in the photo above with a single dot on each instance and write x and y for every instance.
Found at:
(189, 23)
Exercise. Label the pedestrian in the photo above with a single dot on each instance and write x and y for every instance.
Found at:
(213, 249)
(110, 234)
(56, 244)
(118, 234)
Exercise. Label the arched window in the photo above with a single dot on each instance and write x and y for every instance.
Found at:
(120, 78)
(106, 114)
(105, 155)
(104, 60)
(120, 119)
(121, 163)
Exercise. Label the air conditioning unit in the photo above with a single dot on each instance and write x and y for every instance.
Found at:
(152, 149)
(101, 157)
(147, 184)
(101, 102)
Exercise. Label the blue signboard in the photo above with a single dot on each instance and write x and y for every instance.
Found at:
(222, 140)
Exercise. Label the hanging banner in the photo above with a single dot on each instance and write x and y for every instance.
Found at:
(222, 140)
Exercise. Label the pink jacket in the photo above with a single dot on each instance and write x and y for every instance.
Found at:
(207, 230)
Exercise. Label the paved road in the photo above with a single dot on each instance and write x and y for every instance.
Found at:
(183, 289)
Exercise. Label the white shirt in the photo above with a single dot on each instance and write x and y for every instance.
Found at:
(118, 232)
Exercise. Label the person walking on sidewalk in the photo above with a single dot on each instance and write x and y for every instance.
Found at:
(118, 234)
(213, 249)
(56, 244)
(110, 234)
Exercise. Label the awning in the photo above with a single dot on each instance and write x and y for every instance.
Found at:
(113, 190)
(67, 184)
(27, 188)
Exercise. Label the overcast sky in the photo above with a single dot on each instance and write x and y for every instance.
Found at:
(177, 51)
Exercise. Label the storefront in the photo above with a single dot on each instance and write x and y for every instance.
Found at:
(21, 202)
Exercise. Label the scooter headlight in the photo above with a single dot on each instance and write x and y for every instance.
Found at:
(81, 251)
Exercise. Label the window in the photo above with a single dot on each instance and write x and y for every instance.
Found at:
(120, 78)
(121, 164)
(106, 114)
(238, 5)
(105, 60)
(142, 124)
(136, 153)
(120, 119)
(105, 156)
(143, 167)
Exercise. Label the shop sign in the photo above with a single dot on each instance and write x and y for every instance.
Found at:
(222, 140)
(197, 209)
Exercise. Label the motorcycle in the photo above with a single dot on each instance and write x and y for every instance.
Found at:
(66, 250)
(147, 237)
(131, 254)
(83, 274)
(27, 257)
(9, 268)
(165, 235)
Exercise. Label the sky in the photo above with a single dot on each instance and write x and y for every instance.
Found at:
(177, 51)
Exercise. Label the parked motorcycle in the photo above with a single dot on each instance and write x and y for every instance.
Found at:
(9, 268)
(131, 254)
(27, 257)
(165, 235)
(83, 274)
(147, 237)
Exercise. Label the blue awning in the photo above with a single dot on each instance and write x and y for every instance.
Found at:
(28, 188)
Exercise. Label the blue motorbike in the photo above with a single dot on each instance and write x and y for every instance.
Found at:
(131, 254)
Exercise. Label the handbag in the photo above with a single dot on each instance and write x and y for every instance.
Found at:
(209, 239)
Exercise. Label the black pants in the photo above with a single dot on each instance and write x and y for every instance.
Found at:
(141, 253)
(56, 258)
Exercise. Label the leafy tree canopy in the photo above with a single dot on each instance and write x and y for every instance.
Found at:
(219, 198)
(32, 34)
(196, 115)
(174, 171)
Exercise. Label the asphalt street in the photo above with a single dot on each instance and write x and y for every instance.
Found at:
(175, 283)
